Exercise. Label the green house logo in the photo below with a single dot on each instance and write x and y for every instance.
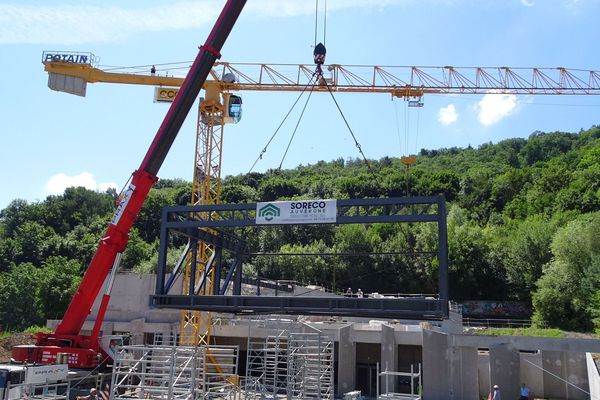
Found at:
(269, 212)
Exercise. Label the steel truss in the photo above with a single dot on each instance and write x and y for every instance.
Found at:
(202, 223)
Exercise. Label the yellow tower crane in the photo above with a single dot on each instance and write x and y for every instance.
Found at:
(219, 107)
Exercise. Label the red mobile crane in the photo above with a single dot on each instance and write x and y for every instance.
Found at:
(83, 351)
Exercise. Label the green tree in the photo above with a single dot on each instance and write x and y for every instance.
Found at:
(137, 252)
(473, 273)
(237, 193)
(20, 304)
(524, 248)
(561, 300)
(76, 206)
(59, 277)
(277, 187)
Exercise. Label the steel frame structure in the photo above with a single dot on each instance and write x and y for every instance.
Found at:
(200, 223)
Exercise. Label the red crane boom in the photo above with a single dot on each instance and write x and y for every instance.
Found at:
(83, 350)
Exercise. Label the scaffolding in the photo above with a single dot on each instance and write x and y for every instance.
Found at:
(413, 378)
(175, 372)
(292, 365)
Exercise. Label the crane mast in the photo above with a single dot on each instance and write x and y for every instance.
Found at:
(83, 350)
(195, 326)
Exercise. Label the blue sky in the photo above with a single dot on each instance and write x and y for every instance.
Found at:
(50, 139)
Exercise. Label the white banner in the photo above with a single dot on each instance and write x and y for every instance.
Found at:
(296, 212)
(46, 373)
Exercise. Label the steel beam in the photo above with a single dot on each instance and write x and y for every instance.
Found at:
(398, 308)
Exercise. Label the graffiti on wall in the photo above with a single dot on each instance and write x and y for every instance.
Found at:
(496, 309)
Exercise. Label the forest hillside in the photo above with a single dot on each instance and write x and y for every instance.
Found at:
(523, 224)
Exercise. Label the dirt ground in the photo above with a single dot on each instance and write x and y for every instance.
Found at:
(6, 344)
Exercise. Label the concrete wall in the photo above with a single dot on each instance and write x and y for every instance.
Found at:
(464, 379)
(436, 371)
(565, 375)
(505, 369)
(532, 374)
(567, 366)
(593, 376)
(346, 360)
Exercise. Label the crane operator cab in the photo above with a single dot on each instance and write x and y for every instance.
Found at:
(219, 106)
(235, 108)
(234, 103)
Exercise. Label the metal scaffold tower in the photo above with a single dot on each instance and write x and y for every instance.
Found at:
(175, 372)
(292, 365)
(310, 366)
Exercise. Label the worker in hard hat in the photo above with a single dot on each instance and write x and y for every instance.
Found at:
(496, 395)
(92, 396)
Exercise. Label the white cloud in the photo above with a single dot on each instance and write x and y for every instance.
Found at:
(493, 107)
(447, 115)
(72, 24)
(59, 182)
(527, 3)
(80, 23)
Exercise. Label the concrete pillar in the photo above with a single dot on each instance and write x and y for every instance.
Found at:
(577, 376)
(564, 373)
(552, 362)
(505, 370)
(532, 373)
(464, 380)
(436, 374)
(346, 367)
(137, 329)
(389, 357)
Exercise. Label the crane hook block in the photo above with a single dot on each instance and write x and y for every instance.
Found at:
(319, 54)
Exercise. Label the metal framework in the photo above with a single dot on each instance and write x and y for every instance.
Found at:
(206, 189)
(294, 365)
(413, 378)
(175, 372)
(193, 222)
(399, 81)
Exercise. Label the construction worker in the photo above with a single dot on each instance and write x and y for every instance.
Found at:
(496, 395)
(524, 393)
(92, 396)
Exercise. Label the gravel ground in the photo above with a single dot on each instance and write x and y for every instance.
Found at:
(7, 344)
